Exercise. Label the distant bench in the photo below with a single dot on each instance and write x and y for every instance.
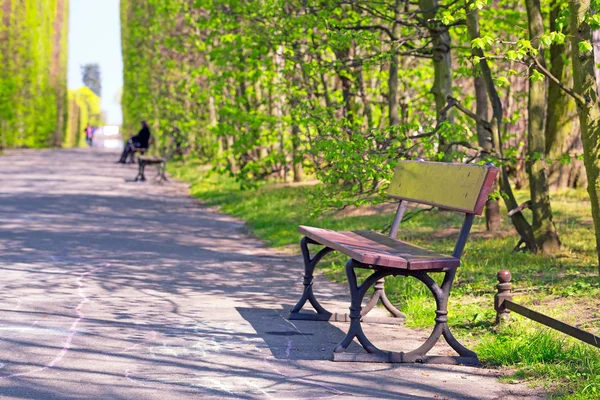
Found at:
(454, 187)
(159, 162)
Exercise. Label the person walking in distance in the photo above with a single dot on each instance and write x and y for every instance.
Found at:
(139, 141)
(89, 134)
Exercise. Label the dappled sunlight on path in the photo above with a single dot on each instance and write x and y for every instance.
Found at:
(120, 290)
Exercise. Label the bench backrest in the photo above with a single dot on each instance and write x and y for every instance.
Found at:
(457, 187)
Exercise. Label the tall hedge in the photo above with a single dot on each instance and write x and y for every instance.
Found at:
(160, 78)
(83, 108)
(33, 72)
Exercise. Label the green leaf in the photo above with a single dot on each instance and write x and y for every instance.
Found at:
(559, 38)
(502, 81)
(447, 18)
(536, 76)
(546, 40)
(478, 43)
(585, 46)
(594, 21)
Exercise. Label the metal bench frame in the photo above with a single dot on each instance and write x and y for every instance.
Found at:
(321, 313)
(486, 178)
(161, 165)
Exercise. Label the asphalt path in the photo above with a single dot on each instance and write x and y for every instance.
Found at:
(118, 290)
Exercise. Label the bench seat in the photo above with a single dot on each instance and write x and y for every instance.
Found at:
(372, 248)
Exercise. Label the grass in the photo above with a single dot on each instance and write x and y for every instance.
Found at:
(565, 286)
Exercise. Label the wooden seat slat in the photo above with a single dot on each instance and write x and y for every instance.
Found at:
(372, 248)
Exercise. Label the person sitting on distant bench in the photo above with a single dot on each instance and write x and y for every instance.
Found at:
(139, 141)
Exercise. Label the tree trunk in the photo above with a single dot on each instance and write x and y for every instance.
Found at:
(297, 163)
(584, 85)
(518, 219)
(59, 72)
(394, 119)
(442, 62)
(544, 231)
(493, 220)
(596, 44)
(562, 124)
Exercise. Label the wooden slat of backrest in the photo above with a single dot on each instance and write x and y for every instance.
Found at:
(456, 187)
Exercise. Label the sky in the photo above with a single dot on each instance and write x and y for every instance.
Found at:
(95, 37)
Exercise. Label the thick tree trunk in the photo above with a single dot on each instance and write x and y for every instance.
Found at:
(518, 219)
(493, 220)
(544, 231)
(394, 118)
(58, 70)
(277, 111)
(298, 169)
(442, 62)
(584, 85)
(562, 123)
(596, 44)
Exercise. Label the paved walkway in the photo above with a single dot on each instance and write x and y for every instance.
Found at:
(120, 290)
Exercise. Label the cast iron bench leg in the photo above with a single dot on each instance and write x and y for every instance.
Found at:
(324, 315)
(379, 294)
(418, 355)
(140, 176)
(162, 169)
(308, 295)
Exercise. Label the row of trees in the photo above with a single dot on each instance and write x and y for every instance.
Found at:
(33, 68)
(84, 109)
(36, 109)
(343, 89)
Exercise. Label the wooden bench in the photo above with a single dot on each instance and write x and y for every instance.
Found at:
(161, 165)
(454, 187)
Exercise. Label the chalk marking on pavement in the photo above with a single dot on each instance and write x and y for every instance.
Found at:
(134, 381)
(255, 386)
(72, 330)
(267, 361)
(289, 322)
(221, 386)
(145, 341)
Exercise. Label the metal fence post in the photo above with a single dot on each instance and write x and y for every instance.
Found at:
(504, 287)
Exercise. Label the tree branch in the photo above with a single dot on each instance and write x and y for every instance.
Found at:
(554, 79)
(369, 28)
(470, 114)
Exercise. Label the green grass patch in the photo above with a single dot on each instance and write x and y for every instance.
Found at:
(565, 286)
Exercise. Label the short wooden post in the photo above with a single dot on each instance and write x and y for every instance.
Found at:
(504, 287)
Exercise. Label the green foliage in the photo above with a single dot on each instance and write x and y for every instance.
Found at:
(262, 96)
(280, 90)
(33, 93)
